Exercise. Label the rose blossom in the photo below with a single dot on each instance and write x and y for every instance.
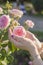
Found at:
(4, 21)
(16, 13)
(29, 23)
(19, 30)
(1, 10)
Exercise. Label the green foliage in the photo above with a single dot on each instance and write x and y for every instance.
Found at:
(1, 1)
(1, 63)
(38, 5)
(21, 57)
(11, 46)
(9, 58)
(39, 35)
(2, 54)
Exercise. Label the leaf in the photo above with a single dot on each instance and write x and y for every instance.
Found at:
(11, 47)
(9, 59)
(3, 54)
(1, 63)
(5, 43)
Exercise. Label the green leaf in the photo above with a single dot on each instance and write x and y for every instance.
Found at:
(9, 59)
(3, 54)
(3, 45)
(18, 49)
(0, 56)
(11, 47)
(1, 63)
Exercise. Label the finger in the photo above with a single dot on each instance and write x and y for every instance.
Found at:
(22, 44)
(34, 39)
(19, 45)
(30, 35)
(38, 43)
(22, 39)
(18, 38)
(16, 43)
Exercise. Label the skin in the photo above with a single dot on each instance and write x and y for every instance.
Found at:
(29, 43)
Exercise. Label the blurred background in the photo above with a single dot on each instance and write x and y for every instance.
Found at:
(33, 10)
(34, 6)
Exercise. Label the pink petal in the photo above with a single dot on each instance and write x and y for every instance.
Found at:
(19, 30)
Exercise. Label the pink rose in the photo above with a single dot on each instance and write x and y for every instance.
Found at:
(1, 10)
(20, 31)
(4, 21)
(16, 13)
(29, 23)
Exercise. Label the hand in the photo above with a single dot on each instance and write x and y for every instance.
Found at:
(24, 43)
(37, 62)
(31, 36)
(39, 45)
(19, 41)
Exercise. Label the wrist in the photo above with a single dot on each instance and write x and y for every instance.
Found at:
(37, 61)
(34, 53)
(37, 56)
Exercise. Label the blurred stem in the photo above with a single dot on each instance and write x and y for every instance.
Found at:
(17, 18)
(1, 38)
(25, 26)
(2, 35)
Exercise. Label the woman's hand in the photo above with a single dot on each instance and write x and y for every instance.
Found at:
(31, 36)
(39, 45)
(19, 41)
(27, 44)
(24, 43)
(38, 62)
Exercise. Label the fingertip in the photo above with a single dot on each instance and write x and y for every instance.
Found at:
(18, 37)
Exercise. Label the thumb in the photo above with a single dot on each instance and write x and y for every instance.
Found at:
(29, 35)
